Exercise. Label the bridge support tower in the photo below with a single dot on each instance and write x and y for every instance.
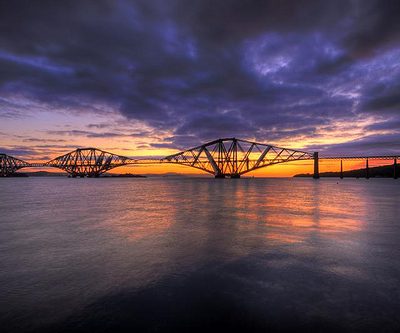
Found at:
(341, 169)
(232, 176)
(316, 165)
(395, 176)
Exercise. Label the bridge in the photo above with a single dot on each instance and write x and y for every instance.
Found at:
(233, 157)
(89, 162)
(227, 157)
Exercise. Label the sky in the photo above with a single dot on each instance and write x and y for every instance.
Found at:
(152, 77)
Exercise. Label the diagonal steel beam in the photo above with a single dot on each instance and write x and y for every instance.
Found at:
(214, 165)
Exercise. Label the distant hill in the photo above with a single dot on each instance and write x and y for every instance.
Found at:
(39, 174)
(45, 174)
(385, 171)
(64, 174)
(124, 175)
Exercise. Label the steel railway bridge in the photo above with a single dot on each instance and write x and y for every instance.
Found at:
(227, 157)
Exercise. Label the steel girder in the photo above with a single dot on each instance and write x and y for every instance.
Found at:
(9, 165)
(90, 162)
(234, 157)
(223, 157)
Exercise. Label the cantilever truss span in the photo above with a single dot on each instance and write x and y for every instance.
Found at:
(9, 165)
(88, 162)
(82, 162)
(229, 157)
(234, 157)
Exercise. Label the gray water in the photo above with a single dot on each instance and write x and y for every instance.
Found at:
(159, 254)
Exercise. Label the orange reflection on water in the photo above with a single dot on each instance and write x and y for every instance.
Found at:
(137, 212)
(295, 210)
(137, 231)
(281, 210)
(284, 238)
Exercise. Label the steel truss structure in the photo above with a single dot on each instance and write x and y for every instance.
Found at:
(231, 157)
(10, 165)
(90, 162)
(228, 157)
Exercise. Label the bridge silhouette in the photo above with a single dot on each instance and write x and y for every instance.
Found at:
(227, 157)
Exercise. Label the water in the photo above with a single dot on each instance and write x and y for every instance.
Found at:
(179, 255)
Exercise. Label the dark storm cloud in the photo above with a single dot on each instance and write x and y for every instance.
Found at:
(37, 152)
(201, 69)
(18, 152)
(384, 97)
(392, 124)
(377, 24)
(388, 101)
(368, 145)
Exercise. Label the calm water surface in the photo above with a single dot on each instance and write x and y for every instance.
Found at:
(181, 255)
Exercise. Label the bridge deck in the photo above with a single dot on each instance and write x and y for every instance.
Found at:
(222, 157)
(370, 157)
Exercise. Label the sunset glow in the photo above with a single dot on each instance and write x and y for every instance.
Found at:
(199, 166)
(147, 82)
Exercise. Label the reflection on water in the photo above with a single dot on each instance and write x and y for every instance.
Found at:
(99, 255)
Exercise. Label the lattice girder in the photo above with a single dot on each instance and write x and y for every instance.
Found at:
(9, 165)
(233, 157)
(89, 162)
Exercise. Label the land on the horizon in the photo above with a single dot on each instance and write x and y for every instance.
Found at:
(63, 174)
(107, 175)
(385, 171)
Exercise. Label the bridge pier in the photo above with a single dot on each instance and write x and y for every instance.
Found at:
(366, 169)
(222, 176)
(316, 165)
(341, 169)
(219, 176)
(93, 175)
(395, 169)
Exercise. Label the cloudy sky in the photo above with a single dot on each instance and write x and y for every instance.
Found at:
(151, 77)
